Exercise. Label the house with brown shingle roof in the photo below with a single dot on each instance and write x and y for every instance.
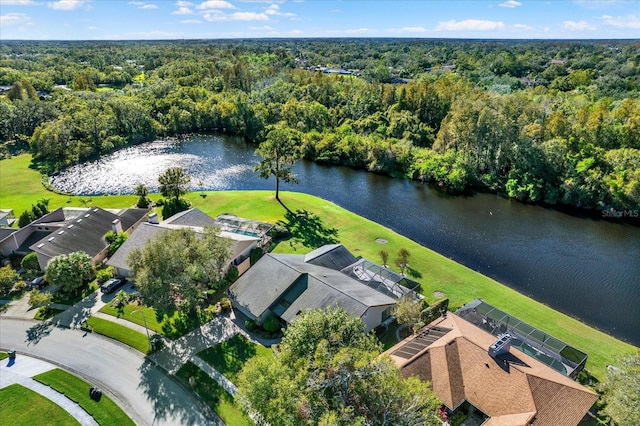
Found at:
(510, 388)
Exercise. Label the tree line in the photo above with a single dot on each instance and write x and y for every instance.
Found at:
(543, 122)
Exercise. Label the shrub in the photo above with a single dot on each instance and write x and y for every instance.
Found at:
(104, 274)
(174, 206)
(271, 325)
(25, 218)
(8, 278)
(255, 254)
(38, 299)
(250, 325)
(30, 262)
(280, 232)
(232, 274)
(435, 310)
(225, 303)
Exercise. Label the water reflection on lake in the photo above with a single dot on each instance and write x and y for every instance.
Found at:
(584, 267)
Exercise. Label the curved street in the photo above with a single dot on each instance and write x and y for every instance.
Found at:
(142, 389)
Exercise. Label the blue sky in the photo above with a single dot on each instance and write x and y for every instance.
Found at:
(164, 19)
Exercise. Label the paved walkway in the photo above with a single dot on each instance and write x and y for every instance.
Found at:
(177, 352)
(21, 372)
(215, 375)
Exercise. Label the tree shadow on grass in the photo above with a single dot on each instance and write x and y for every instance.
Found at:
(229, 356)
(413, 273)
(308, 229)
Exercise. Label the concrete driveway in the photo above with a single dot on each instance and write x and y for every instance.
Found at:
(145, 392)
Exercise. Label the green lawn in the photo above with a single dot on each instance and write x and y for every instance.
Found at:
(46, 313)
(213, 395)
(21, 187)
(120, 333)
(436, 272)
(133, 313)
(3, 355)
(105, 412)
(20, 406)
(230, 356)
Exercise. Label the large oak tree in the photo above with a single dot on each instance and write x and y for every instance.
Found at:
(174, 267)
(328, 371)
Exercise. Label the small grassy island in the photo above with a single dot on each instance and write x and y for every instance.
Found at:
(439, 276)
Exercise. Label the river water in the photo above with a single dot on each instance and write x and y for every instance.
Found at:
(587, 268)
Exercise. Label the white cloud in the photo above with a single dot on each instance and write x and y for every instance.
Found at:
(191, 21)
(511, 4)
(296, 32)
(15, 19)
(630, 21)
(263, 28)
(215, 4)
(469, 25)
(92, 28)
(248, 16)
(218, 16)
(182, 11)
(143, 5)
(274, 9)
(67, 4)
(17, 2)
(578, 26)
(523, 27)
(407, 30)
(357, 31)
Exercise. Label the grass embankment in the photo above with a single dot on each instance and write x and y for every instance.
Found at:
(105, 412)
(120, 333)
(230, 356)
(213, 395)
(3, 355)
(23, 407)
(436, 272)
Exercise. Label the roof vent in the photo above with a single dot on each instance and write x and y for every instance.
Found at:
(40, 245)
(501, 346)
(51, 239)
(61, 232)
(70, 226)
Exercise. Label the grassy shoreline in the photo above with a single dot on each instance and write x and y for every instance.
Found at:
(435, 272)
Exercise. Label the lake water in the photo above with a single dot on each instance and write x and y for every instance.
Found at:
(587, 268)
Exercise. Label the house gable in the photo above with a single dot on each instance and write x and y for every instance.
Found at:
(512, 388)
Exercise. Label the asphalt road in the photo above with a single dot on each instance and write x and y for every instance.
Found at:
(145, 392)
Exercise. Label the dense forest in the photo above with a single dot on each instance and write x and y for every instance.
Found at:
(554, 122)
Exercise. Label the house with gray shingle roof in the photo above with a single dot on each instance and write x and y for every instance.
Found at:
(283, 285)
(68, 230)
(84, 230)
(241, 242)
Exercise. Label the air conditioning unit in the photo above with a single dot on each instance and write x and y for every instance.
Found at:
(501, 346)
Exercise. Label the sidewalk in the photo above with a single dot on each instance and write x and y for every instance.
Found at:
(21, 372)
(179, 351)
